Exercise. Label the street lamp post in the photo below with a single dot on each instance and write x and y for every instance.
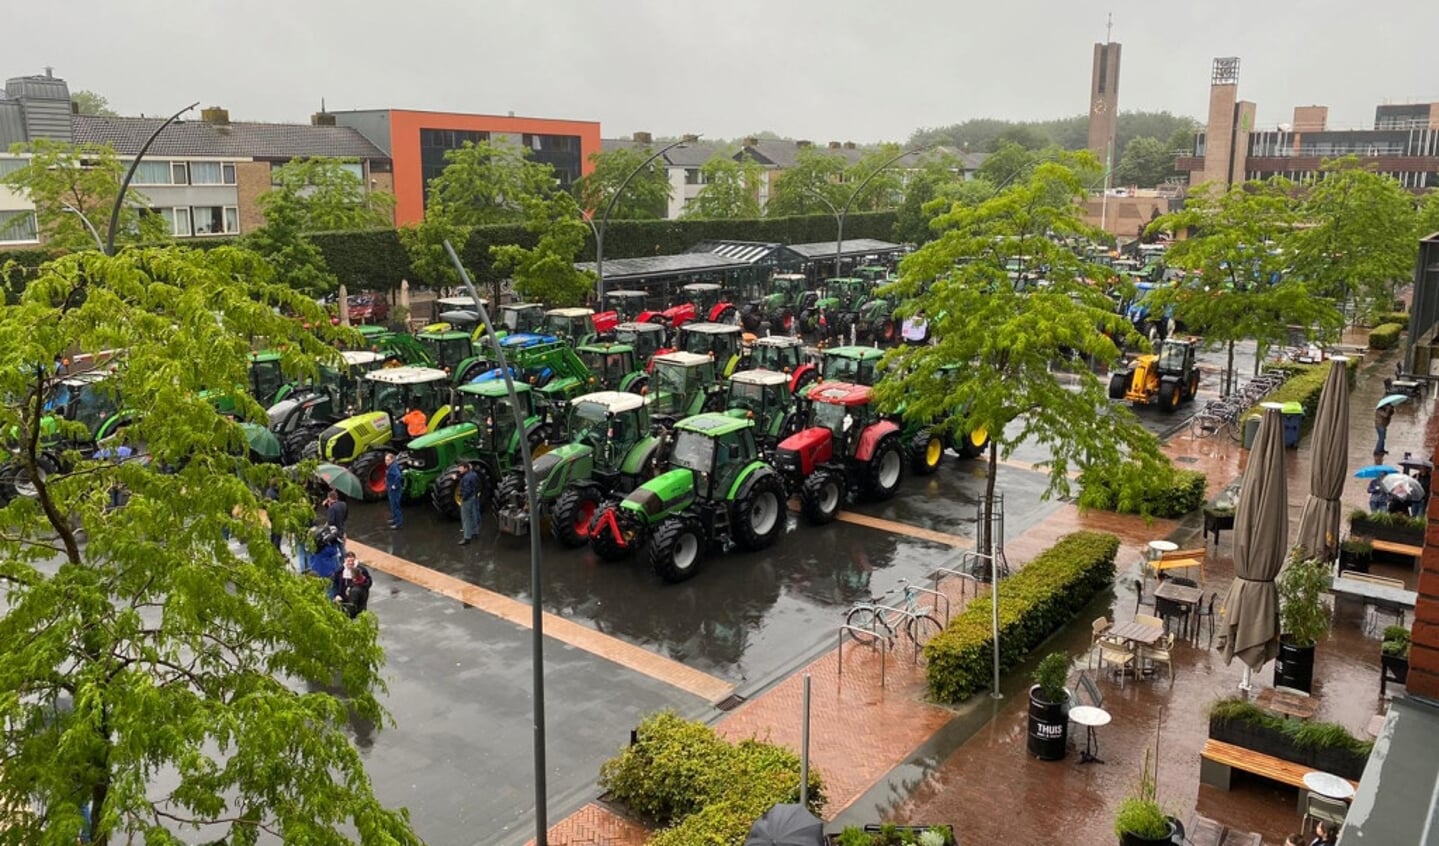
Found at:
(609, 207)
(844, 212)
(109, 245)
(94, 233)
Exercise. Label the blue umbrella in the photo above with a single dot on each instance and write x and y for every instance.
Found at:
(1375, 471)
(1392, 399)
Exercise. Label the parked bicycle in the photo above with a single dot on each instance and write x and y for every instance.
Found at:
(1223, 415)
(881, 620)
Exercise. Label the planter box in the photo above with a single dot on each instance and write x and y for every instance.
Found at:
(1216, 521)
(1358, 562)
(1267, 741)
(912, 830)
(1392, 668)
(1386, 532)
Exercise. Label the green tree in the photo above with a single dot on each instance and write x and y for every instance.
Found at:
(90, 103)
(731, 191)
(546, 272)
(1006, 342)
(810, 186)
(1147, 162)
(883, 191)
(1238, 258)
(646, 197)
(295, 258)
(1427, 220)
(62, 179)
(1358, 237)
(1008, 163)
(154, 672)
(328, 196)
(938, 184)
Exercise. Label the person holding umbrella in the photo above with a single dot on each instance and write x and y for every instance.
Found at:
(1382, 415)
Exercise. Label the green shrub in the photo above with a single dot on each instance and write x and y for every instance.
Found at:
(1396, 641)
(1050, 675)
(1134, 489)
(1305, 384)
(1387, 518)
(1040, 598)
(1400, 317)
(1306, 734)
(1385, 336)
(709, 791)
(1140, 817)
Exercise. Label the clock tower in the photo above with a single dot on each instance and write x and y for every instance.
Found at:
(1104, 100)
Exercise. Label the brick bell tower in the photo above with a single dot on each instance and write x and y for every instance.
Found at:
(1104, 98)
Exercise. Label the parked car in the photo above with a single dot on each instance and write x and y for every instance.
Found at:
(369, 308)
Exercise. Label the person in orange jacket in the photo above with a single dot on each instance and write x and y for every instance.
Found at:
(415, 422)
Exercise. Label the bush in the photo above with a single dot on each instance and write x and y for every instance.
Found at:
(1305, 384)
(1400, 317)
(1034, 602)
(1387, 518)
(682, 774)
(1385, 336)
(1133, 489)
(1305, 734)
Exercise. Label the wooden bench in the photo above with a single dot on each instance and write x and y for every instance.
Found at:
(1218, 760)
(1181, 559)
(1397, 548)
(1374, 580)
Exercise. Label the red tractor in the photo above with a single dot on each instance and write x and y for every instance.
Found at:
(848, 448)
(702, 301)
(619, 306)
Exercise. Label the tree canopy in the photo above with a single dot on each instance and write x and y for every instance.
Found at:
(546, 272)
(90, 103)
(63, 179)
(730, 192)
(811, 186)
(983, 135)
(1146, 162)
(329, 195)
(647, 195)
(166, 669)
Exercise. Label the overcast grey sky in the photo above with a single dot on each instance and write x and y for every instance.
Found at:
(831, 70)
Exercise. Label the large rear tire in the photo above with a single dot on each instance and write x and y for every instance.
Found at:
(369, 467)
(821, 496)
(618, 541)
(926, 451)
(728, 315)
(759, 516)
(971, 444)
(1192, 387)
(886, 468)
(1119, 384)
(445, 493)
(511, 491)
(574, 514)
(1168, 396)
(676, 548)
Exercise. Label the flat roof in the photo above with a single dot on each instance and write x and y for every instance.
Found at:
(760, 377)
(406, 375)
(711, 328)
(570, 312)
(613, 401)
(1398, 796)
(848, 247)
(684, 358)
(648, 267)
(354, 357)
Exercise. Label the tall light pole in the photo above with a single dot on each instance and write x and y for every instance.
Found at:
(610, 206)
(844, 212)
(94, 233)
(109, 246)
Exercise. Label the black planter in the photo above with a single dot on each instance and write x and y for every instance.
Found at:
(1048, 727)
(1128, 839)
(1294, 667)
(1356, 561)
(1267, 741)
(1385, 532)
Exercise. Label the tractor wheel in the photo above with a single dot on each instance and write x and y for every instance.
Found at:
(511, 491)
(926, 450)
(311, 449)
(473, 369)
(616, 533)
(886, 468)
(540, 439)
(675, 549)
(369, 467)
(972, 444)
(638, 386)
(1168, 396)
(445, 493)
(808, 321)
(7, 482)
(299, 446)
(804, 379)
(821, 496)
(574, 514)
(1193, 386)
(1119, 384)
(728, 315)
(18, 482)
(759, 516)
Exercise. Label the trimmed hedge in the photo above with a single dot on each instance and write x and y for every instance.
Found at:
(1033, 603)
(1305, 384)
(1132, 489)
(1400, 317)
(681, 774)
(1385, 336)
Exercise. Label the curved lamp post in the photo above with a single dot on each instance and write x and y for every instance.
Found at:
(844, 212)
(109, 245)
(609, 207)
(94, 233)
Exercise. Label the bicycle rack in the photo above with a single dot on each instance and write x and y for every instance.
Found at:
(856, 630)
(902, 616)
(937, 595)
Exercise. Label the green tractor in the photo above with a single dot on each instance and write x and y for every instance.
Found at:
(298, 418)
(519, 318)
(856, 364)
(764, 396)
(722, 342)
(718, 492)
(614, 450)
(575, 326)
(613, 367)
(550, 366)
(648, 339)
(683, 384)
(480, 428)
(454, 352)
(83, 399)
(388, 394)
(789, 294)
(837, 308)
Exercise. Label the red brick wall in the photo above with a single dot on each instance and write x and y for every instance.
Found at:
(1424, 652)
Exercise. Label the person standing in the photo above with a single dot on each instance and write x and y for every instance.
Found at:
(1382, 416)
(337, 513)
(395, 487)
(469, 502)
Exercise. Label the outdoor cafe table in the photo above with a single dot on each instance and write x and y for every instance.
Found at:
(1384, 596)
(1189, 597)
(1136, 633)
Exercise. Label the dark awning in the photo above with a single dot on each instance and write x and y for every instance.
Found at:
(654, 267)
(849, 248)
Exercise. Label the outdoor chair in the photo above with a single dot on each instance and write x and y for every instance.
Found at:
(1318, 807)
(1160, 653)
(1119, 656)
(1149, 620)
(1097, 629)
(1088, 688)
(1168, 609)
(1206, 612)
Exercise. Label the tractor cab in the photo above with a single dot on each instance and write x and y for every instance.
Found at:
(845, 292)
(786, 288)
(682, 384)
(779, 353)
(627, 305)
(455, 314)
(448, 348)
(851, 364)
(342, 384)
(574, 325)
(704, 296)
(842, 408)
(1167, 377)
(764, 397)
(720, 341)
(266, 378)
(488, 407)
(874, 274)
(82, 399)
(847, 447)
(388, 394)
(611, 365)
(397, 390)
(609, 422)
(648, 339)
(521, 317)
(714, 448)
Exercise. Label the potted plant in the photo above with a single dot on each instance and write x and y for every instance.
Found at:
(1303, 620)
(1049, 708)
(1394, 654)
(1356, 553)
(1382, 525)
(890, 834)
(1139, 820)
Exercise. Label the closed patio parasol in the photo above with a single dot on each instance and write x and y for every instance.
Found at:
(1319, 524)
(786, 825)
(1251, 609)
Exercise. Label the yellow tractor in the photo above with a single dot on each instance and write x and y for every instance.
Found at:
(1167, 377)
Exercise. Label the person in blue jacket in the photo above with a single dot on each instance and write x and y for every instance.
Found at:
(394, 487)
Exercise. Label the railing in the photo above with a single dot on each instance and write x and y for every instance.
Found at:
(855, 630)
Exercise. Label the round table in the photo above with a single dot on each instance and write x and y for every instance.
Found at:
(1091, 718)
(1160, 547)
(1327, 784)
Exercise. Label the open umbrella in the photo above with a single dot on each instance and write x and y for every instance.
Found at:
(1251, 609)
(341, 480)
(1403, 487)
(1319, 523)
(1375, 471)
(1392, 399)
(263, 444)
(786, 825)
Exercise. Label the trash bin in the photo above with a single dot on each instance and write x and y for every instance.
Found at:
(1293, 414)
(1251, 430)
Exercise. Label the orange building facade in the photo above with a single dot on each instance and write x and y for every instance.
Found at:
(417, 141)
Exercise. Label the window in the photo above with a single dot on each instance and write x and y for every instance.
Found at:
(206, 173)
(434, 143)
(215, 220)
(229, 170)
(177, 219)
(179, 174)
(9, 166)
(232, 219)
(18, 227)
(152, 173)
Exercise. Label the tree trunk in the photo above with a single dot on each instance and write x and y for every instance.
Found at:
(986, 544)
(1229, 372)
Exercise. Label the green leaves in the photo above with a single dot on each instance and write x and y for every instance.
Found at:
(647, 195)
(546, 273)
(67, 181)
(731, 190)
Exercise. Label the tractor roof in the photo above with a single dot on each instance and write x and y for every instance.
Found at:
(459, 302)
(492, 388)
(605, 347)
(520, 340)
(640, 328)
(840, 393)
(760, 377)
(569, 312)
(357, 357)
(615, 402)
(448, 335)
(407, 375)
(711, 328)
(858, 353)
(778, 341)
(789, 277)
(844, 280)
(265, 355)
(713, 424)
(624, 293)
(683, 359)
(700, 286)
(522, 306)
(86, 378)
